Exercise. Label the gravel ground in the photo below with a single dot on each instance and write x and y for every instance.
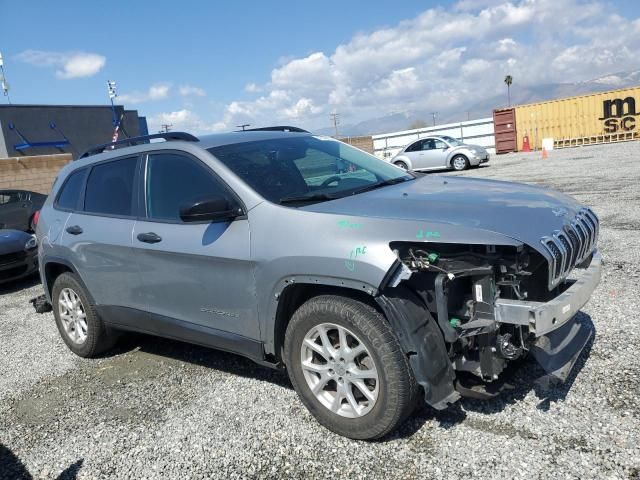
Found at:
(162, 409)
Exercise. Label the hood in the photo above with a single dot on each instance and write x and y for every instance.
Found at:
(12, 241)
(523, 212)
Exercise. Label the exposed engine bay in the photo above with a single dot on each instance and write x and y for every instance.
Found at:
(461, 287)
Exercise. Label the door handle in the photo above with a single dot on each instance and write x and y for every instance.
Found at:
(74, 230)
(149, 237)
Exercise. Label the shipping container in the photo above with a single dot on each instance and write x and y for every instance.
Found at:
(504, 125)
(583, 120)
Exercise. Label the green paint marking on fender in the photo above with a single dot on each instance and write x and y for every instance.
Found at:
(353, 254)
(345, 223)
(427, 234)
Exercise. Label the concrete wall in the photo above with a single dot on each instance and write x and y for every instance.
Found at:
(31, 173)
(476, 132)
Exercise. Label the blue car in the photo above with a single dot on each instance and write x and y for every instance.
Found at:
(18, 255)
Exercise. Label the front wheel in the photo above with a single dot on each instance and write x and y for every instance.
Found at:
(460, 162)
(347, 366)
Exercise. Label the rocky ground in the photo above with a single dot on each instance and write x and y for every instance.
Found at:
(161, 409)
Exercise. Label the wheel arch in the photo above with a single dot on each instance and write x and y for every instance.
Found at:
(53, 267)
(295, 293)
(404, 159)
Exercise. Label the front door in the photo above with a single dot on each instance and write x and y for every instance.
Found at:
(432, 153)
(198, 274)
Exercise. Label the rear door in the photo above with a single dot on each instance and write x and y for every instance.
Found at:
(192, 274)
(97, 234)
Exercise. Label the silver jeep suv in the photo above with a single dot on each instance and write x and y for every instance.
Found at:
(372, 286)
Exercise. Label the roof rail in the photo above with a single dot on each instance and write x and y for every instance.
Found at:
(277, 128)
(187, 137)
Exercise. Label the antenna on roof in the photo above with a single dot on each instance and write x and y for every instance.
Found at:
(3, 81)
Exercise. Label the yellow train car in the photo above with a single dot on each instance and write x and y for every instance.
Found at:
(582, 120)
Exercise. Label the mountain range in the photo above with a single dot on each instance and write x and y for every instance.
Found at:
(484, 108)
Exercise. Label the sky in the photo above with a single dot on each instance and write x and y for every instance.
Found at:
(210, 66)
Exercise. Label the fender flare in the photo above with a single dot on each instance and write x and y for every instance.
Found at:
(423, 343)
(47, 259)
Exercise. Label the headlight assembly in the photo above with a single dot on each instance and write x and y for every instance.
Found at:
(31, 244)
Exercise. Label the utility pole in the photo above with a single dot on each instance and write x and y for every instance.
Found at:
(243, 126)
(165, 128)
(335, 118)
(434, 114)
(3, 81)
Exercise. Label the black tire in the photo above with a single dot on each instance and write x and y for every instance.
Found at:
(98, 337)
(401, 164)
(398, 389)
(465, 164)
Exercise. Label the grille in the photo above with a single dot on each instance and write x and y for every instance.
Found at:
(12, 257)
(571, 245)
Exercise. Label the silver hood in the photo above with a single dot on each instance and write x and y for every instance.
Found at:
(522, 212)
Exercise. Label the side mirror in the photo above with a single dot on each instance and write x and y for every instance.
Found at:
(213, 208)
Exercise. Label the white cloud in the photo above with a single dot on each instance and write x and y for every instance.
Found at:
(182, 120)
(446, 59)
(191, 91)
(252, 87)
(67, 64)
(157, 91)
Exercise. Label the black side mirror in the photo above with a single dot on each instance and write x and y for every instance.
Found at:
(213, 208)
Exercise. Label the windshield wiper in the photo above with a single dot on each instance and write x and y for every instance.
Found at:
(309, 197)
(385, 183)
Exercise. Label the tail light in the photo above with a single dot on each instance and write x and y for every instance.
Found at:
(36, 217)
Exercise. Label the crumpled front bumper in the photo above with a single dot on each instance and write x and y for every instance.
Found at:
(560, 337)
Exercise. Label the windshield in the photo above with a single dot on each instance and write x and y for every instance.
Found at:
(452, 141)
(306, 168)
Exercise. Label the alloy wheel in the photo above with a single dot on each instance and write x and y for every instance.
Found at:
(339, 370)
(73, 316)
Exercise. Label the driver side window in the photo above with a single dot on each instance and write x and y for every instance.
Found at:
(439, 144)
(174, 180)
(429, 144)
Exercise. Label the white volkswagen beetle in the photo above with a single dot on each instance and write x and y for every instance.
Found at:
(438, 152)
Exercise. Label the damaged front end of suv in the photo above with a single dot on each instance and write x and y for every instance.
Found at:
(463, 312)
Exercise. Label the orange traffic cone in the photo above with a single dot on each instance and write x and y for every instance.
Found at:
(545, 155)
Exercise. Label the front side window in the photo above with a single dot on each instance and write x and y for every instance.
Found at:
(70, 191)
(429, 144)
(307, 168)
(110, 188)
(452, 141)
(173, 181)
(439, 144)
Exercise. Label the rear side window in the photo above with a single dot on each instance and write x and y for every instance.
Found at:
(174, 180)
(110, 188)
(70, 191)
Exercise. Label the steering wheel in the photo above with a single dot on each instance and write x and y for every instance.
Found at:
(330, 180)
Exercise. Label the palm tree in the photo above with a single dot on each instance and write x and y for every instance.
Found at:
(508, 80)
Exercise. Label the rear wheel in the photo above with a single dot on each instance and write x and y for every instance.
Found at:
(460, 162)
(348, 368)
(78, 323)
(401, 164)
